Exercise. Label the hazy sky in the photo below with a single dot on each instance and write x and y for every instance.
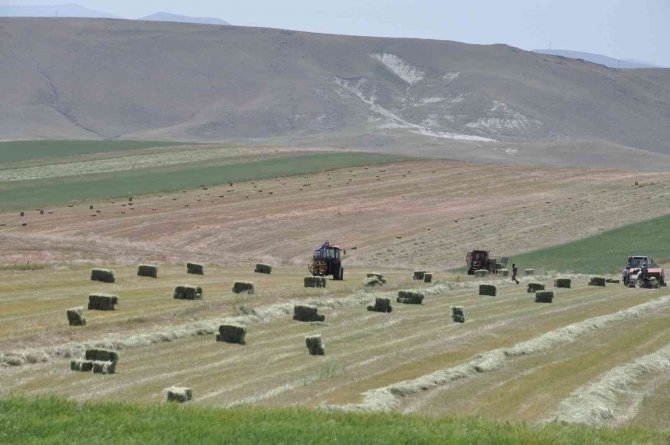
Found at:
(625, 29)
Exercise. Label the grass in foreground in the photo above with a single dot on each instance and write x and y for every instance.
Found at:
(28, 194)
(52, 420)
(606, 252)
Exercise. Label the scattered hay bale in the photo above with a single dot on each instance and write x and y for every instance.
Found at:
(409, 297)
(147, 270)
(22, 214)
(104, 275)
(315, 345)
(304, 312)
(243, 287)
(178, 394)
(315, 281)
(597, 281)
(195, 268)
(263, 268)
(102, 302)
(75, 316)
(529, 271)
(81, 365)
(481, 273)
(544, 296)
(375, 274)
(612, 281)
(562, 283)
(232, 333)
(487, 289)
(457, 314)
(503, 272)
(381, 305)
(373, 281)
(534, 287)
(419, 274)
(104, 367)
(187, 292)
(428, 277)
(101, 355)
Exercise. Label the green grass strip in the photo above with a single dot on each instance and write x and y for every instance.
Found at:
(54, 191)
(55, 421)
(15, 151)
(606, 252)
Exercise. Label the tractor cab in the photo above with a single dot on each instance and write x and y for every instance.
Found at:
(480, 259)
(326, 260)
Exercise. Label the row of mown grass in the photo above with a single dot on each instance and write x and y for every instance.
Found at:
(56, 421)
(28, 194)
(606, 252)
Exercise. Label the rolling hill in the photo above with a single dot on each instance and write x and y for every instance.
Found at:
(105, 79)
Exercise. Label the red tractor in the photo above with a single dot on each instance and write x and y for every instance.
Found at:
(326, 261)
(639, 273)
(480, 259)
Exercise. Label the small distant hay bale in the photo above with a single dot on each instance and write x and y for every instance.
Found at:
(409, 297)
(377, 275)
(232, 333)
(147, 270)
(101, 355)
(373, 281)
(22, 214)
(178, 394)
(102, 302)
(612, 281)
(263, 268)
(381, 305)
(428, 277)
(534, 287)
(81, 365)
(104, 275)
(315, 345)
(188, 292)
(529, 271)
(487, 289)
(315, 282)
(419, 274)
(243, 287)
(563, 283)
(195, 268)
(75, 316)
(597, 281)
(103, 367)
(457, 314)
(544, 296)
(305, 312)
(503, 272)
(481, 273)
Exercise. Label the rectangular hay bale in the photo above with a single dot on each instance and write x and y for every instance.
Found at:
(101, 355)
(232, 333)
(75, 316)
(597, 281)
(315, 345)
(243, 287)
(534, 287)
(544, 296)
(487, 289)
(147, 270)
(178, 394)
(503, 272)
(428, 277)
(305, 312)
(458, 314)
(103, 275)
(381, 305)
(195, 268)
(315, 282)
(188, 292)
(419, 274)
(102, 302)
(563, 283)
(263, 268)
(409, 297)
(481, 273)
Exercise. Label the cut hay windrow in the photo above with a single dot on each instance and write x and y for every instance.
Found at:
(232, 333)
(304, 312)
(544, 296)
(178, 394)
(487, 289)
(147, 270)
(246, 287)
(388, 397)
(102, 302)
(597, 281)
(315, 345)
(564, 283)
(195, 268)
(410, 297)
(314, 281)
(534, 287)
(263, 268)
(75, 316)
(381, 305)
(599, 403)
(187, 292)
(103, 275)
(458, 314)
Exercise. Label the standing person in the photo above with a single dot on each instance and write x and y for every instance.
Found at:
(514, 272)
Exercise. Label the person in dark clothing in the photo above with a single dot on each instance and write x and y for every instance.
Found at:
(515, 270)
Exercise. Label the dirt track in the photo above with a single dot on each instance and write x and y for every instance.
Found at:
(403, 214)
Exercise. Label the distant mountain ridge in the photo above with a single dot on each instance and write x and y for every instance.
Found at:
(168, 17)
(597, 58)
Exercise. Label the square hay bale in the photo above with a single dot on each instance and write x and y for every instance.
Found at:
(409, 297)
(232, 333)
(534, 287)
(178, 394)
(315, 281)
(195, 268)
(263, 268)
(612, 281)
(562, 283)
(529, 271)
(481, 273)
(104, 367)
(419, 274)
(187, 292)
(315, 345)
(147, 270)
(457, 314)
(487, 289)
(503, 272)
(104, 275)
(373, 281)
(544, 296)
(428, 277)
(381, 305)
(597, 281)
(305, 312)
(243, 287)
(81, 365)
(377, 275)
(101, 355)
(102, 302)
(75, 316)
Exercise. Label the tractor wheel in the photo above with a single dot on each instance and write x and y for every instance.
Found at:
(341, 273)
(337, 273)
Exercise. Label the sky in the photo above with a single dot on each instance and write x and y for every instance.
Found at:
(623, 29)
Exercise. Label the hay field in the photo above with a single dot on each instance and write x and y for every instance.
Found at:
(413, 213)
(512, 358)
